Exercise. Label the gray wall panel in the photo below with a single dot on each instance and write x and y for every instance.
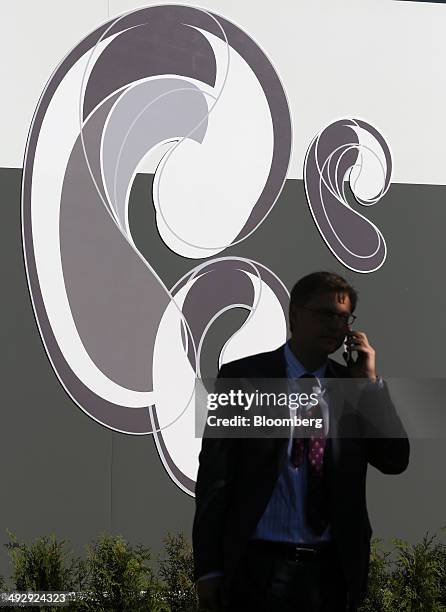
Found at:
(59, 470)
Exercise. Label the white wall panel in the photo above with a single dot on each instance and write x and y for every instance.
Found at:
(35, 38)
(379, 60)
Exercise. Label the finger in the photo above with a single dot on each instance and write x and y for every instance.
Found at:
(354, 343)
(358, 341)
(358, 336)
(361, 348)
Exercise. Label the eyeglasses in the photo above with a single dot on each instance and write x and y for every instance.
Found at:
(329, 315)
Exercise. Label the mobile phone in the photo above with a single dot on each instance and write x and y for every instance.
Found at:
(346, 353)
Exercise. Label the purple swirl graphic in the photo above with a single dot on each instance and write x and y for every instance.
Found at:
(354, 151)
(165, 76)
(200, 298)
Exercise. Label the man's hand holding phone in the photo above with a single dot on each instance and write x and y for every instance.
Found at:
(365, 364)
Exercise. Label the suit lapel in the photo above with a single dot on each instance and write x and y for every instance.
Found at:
(275, 366)
(336, 400)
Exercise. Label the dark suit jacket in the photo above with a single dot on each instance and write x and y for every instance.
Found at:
(236, 477)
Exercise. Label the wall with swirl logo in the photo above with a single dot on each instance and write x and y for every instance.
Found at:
(182, 168)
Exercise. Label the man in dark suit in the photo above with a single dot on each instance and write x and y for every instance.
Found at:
(281, 525)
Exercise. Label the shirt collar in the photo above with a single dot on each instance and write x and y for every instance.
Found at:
(295, 369)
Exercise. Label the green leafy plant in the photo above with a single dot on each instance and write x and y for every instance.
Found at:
(411, 580)
(43, 565)
(419, 575)
(118, 577)
(441, 553)
(379, 594)
(3, 589)
(3, 586)
(176, 570)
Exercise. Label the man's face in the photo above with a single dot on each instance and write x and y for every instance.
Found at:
(314, 326)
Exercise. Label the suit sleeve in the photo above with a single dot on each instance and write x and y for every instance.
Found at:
(217, 461)
(387, 443)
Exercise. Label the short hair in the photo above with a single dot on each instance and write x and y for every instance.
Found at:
(321, 282)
